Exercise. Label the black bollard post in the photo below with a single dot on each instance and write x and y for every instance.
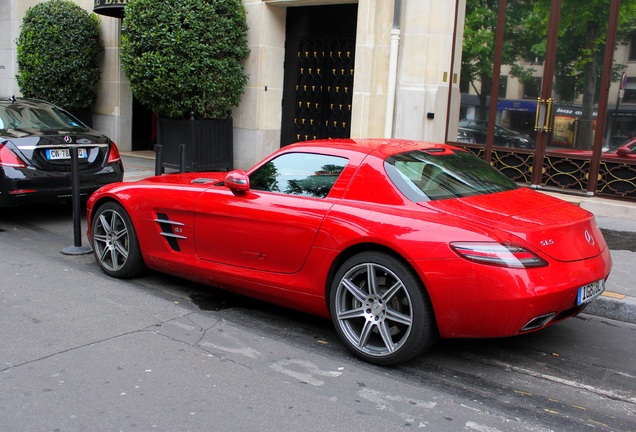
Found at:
(77, 248)
(158, 159)
(182, 158)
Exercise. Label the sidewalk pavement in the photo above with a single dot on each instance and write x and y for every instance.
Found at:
(615, 218)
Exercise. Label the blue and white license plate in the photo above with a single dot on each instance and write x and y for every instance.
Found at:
(589, 292)
(64, 153)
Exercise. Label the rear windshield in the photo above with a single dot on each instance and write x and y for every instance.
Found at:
(444, 173)
(23, 117)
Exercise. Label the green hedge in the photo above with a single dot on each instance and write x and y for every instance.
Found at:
(57, 54)
(184, 56)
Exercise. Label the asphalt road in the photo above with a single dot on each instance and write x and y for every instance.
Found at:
(84, 352)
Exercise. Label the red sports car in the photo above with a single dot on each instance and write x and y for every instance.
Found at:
(397, 241)
(624, 150)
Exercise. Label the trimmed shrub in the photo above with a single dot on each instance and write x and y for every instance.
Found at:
(184, 56)
(57, 54)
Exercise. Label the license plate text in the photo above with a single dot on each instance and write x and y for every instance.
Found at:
(589, 292)
(53, 154)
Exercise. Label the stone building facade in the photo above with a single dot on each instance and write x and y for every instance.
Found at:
(421, 75)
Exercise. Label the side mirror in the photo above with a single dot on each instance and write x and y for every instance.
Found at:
(622, 152)
(237, 181)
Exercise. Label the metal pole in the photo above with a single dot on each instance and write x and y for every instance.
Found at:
(452, 70)
(182, 158)
(546, 92)
(393, 65)
(159, 150)
(77, 248)
(496, 78)
(606, 81)
(158, 159)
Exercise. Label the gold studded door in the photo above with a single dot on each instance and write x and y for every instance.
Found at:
(319, 68)
(324, 89)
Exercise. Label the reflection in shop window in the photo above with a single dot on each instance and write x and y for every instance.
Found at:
(632, 47)
(532, 88)
(503, 86)
(630, 90)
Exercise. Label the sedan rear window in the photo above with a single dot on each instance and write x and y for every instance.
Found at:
(444, 173)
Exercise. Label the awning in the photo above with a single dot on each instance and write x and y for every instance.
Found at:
(517, 105)
(625, 110)
(111, 8)
(571, 111)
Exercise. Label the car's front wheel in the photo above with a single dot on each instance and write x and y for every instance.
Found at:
(381, 310)
(115, 242)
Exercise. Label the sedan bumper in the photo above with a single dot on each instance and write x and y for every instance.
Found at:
(25, 185)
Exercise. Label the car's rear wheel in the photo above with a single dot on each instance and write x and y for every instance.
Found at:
(115, 242)
(381, 310)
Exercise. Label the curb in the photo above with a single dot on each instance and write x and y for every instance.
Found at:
(619, 308)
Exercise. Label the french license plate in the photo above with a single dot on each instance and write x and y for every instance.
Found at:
(589, 292)
(54, 154)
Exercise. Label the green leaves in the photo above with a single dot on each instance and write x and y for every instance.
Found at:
(57, 53)
(185, 56)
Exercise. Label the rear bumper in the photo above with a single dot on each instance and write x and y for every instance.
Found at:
(484, 301)
(24, 186)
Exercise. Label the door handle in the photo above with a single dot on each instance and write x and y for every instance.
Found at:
(543, 117)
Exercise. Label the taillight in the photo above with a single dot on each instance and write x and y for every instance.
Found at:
(498, 254)
(113, 154)
(10, 159)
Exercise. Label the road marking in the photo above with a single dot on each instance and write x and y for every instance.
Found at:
(284, 366)
(239, 348)
(613, 295)
(614, 394)
(480, 428)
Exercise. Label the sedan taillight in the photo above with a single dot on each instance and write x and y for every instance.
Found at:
(9, 158)
(498, 254)
(113, 153)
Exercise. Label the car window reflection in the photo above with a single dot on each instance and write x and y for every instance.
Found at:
(302, 174)
(422, 175)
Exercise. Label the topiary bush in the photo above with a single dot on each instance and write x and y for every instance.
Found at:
(184, 56)
(57, 53)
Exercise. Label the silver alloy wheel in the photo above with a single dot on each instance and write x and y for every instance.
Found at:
(110, 240)
(373, 309)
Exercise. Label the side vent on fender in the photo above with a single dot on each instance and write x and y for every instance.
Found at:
(167, 230)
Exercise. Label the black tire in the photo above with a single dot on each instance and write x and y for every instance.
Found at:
(115, 243)
(384, 320)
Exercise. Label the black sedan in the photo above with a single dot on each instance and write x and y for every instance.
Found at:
(504, 137)
(36, 139)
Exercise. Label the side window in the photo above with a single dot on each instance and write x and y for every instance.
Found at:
(305, 174)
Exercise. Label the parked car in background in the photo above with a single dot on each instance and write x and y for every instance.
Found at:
(622, 150)
(465, 137)
(504, 137)
(36, 138)
(625, 149)
(397, 241)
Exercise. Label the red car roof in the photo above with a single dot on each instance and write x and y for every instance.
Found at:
(380, 147)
